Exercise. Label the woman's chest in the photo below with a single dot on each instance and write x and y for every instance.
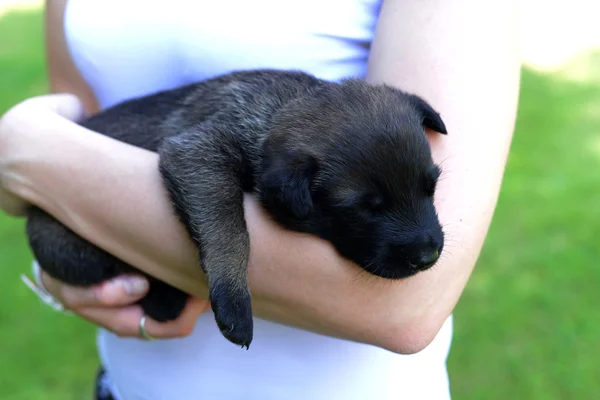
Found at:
(129, 48)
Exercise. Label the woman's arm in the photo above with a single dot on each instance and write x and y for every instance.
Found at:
(111, 193)
(63, 75)
(463, 57)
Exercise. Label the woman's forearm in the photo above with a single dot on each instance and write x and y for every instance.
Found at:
(111, 194)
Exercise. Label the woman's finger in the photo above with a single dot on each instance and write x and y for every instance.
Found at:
(125, 321)
(121, 291)
(111, 306)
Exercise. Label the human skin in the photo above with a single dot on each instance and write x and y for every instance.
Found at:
(466, 68)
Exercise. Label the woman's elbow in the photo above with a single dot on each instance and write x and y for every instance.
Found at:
(411, 337)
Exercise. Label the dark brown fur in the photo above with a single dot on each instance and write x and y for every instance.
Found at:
(347, 162)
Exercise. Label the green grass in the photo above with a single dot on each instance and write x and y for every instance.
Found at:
(528, 325)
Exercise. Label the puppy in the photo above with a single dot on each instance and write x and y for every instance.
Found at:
(348, 162)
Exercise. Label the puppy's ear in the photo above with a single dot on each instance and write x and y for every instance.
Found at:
(285, 184)
(431, 119)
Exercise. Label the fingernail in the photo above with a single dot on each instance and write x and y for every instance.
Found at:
(135, 286)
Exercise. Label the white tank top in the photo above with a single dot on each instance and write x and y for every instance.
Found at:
(135, 47)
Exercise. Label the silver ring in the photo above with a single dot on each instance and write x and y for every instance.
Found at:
(142, 329)
(37, 287)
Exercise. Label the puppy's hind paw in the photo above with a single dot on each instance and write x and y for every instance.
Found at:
(233, 314)
(163, 303)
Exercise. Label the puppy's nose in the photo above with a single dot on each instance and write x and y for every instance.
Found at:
(425, 259)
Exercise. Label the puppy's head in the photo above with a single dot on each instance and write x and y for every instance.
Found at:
(353, 165)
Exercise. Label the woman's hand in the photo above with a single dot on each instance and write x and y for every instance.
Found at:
(111, 305)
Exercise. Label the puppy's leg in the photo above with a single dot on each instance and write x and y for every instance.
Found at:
(202, 171)
(71, 259)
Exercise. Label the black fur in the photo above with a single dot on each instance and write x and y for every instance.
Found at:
(348, 162)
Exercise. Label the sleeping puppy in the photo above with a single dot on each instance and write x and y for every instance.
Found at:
(348, 162)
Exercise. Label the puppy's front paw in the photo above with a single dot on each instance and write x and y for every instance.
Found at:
(233, 313)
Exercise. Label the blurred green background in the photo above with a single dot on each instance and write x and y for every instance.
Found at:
(528, 325)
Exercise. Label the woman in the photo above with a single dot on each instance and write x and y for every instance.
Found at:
(320, 333)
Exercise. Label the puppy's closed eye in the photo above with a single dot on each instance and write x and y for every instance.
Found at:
(362, 201)
(431, 180)
(373, 201)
